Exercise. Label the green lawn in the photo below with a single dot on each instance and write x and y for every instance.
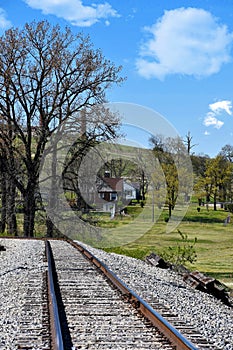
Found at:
(214, 245)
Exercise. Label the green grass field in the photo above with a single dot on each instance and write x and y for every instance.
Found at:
(214, 245)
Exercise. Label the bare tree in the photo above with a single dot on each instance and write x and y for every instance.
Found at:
(46, 76)
(188, 142)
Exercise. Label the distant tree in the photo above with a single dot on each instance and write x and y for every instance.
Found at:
(227, 152)
(171, 154)
(201, 189)
(116, 167)
(188, 142)
(158, 144)
(46, 76)
(217, 175)
(199, 164)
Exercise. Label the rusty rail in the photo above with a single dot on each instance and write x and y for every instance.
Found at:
(56, 333)
(155, 318)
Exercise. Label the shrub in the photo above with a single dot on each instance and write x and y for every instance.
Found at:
(184, 252)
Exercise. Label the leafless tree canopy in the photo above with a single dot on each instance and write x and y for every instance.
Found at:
(47, 75)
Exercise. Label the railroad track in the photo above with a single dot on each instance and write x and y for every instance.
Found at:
(73, 301)
(34, 320)
(95, 310)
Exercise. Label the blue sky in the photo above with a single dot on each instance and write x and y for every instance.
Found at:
(177, 55)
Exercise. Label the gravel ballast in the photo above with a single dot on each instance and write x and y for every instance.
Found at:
(23, 260)
(21, 268)
(210, 316)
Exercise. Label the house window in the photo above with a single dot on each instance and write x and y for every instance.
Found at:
(113, 196)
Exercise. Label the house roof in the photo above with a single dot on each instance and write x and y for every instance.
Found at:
(115, 183)
(110, 184)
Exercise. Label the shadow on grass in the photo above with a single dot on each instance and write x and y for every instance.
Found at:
(201, 219)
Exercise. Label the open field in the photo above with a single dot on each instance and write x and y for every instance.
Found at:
(214, 245)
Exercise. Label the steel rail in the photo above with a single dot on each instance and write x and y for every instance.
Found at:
(152, 315)
(57, 339)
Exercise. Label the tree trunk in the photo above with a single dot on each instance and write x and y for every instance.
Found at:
(143, 190)
(49, 227)
(170, 210)
(10, 208)
(52, 230)
(3, 199)
(29, 206)
(52, 200)
(215, 201)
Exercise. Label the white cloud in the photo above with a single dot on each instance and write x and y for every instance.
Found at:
(211, 120)
(216, 109)
(187, 41)
(74, 11)
(221, 106)
(4, 23)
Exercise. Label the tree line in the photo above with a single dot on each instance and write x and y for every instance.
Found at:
(47, 77)
(212, 177)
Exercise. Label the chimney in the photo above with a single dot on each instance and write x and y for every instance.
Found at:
(107, 173)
